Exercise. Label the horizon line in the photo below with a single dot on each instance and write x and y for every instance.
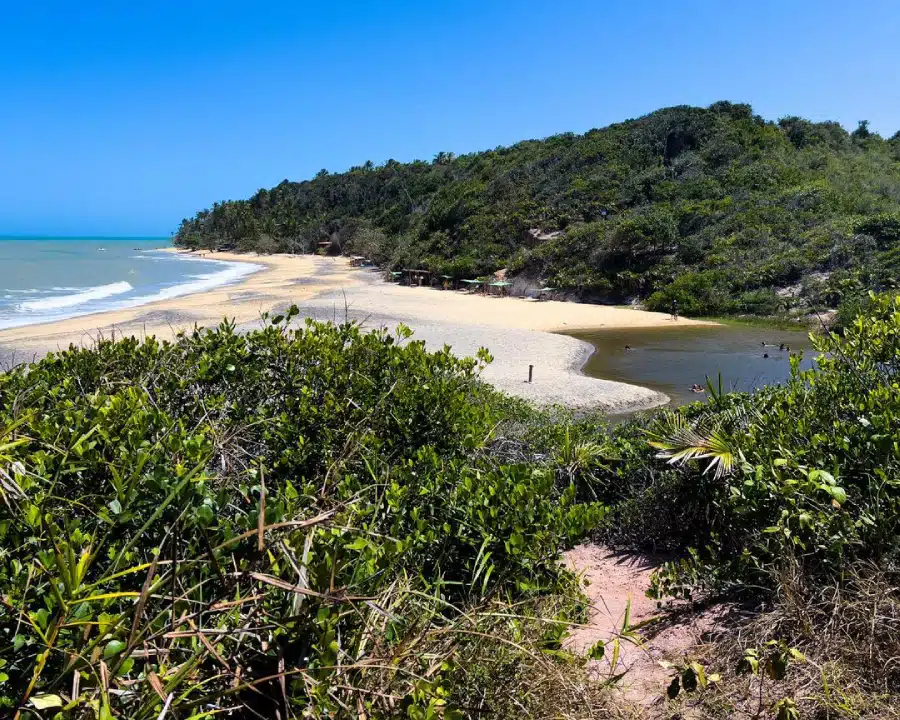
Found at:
(49, 236)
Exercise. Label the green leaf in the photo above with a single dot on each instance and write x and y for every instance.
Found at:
(113, 648)
(837, 493)
(45, 702)
(359, 543)
(597, 651)
(41, 617)
(105, 712)
(700, 672)
(205, 515)
(815, 475)
(32, 515)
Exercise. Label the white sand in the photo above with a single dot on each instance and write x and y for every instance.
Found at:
(557, 359)
(517, 332)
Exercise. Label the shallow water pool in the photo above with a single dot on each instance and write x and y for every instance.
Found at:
(671, 359)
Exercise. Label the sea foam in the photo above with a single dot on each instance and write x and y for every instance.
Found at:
(230, 274)
(58, 302)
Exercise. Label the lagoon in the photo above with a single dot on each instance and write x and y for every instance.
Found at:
(671, 359)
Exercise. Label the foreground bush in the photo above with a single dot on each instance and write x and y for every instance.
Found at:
(809, 470)
(289, 521)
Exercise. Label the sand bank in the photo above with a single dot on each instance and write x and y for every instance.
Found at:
(518, 332)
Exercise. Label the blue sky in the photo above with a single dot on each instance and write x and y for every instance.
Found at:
(122, 118)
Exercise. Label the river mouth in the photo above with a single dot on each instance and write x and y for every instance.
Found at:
(672, 359)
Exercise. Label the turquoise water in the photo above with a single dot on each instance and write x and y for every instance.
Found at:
(46, 279)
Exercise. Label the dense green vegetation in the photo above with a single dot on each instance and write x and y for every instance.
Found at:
(714, 207)
(263, 489)
(789, 496)
(809, 469)
(319, 522)
(291, 521)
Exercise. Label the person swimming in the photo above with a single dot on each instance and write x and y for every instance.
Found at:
(765, 355)
(628, 347)
(697, 388)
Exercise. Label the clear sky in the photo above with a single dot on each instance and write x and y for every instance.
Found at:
(123, 117)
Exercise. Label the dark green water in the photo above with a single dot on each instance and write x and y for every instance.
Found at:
(671, 359)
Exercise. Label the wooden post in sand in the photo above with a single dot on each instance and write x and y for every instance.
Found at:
(530, 372)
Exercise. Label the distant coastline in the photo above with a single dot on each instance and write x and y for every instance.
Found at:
(46, 279)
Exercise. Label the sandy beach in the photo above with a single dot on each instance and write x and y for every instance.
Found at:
(518, 332)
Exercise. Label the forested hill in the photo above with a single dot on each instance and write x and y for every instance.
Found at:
(717, 207)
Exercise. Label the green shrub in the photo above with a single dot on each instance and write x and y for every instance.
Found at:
(701, 293)
(282, 521)
(810, 469)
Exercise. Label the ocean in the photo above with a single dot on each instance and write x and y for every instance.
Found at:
(47, 279)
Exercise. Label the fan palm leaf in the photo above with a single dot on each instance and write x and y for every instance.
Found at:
(680, 442)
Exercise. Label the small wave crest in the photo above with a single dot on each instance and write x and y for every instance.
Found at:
(62, 303)
(58, 302)
(231, 273)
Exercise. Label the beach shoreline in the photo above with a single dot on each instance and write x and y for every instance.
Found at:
(70, 295)
(518, 332)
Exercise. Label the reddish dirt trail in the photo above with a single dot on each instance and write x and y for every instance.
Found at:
(611, 581)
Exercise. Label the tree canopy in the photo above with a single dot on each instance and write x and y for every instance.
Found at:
(715, 207)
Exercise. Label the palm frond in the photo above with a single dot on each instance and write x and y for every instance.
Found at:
(680, 442)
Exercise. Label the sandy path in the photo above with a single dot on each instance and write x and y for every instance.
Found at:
(614, 582)
(516, 331)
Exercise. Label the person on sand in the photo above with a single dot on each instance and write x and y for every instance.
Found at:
(674, 310)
